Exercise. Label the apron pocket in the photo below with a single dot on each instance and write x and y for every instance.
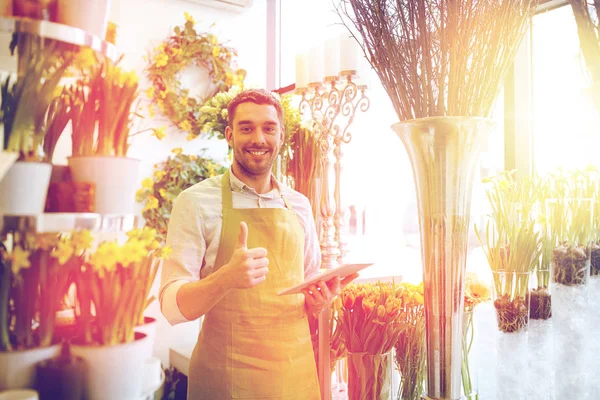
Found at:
(271, 361)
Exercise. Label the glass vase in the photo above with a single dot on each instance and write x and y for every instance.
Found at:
(510, 293)
(369, 376)
(469, 366)
(570, 230)
(410, 361)
(540, 295)
(443, 152)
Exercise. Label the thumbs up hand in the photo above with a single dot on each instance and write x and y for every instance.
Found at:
(247, 267)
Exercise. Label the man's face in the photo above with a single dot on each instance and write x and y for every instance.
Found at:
(255, 137)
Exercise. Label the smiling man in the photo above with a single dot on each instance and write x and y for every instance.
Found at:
(238, 239)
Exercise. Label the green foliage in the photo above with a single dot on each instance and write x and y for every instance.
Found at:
(171, 177)
(25, 102)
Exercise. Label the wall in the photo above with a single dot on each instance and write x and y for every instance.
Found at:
(144, 24)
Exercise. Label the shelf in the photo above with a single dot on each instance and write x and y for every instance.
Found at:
(66, 222)
(60, 32)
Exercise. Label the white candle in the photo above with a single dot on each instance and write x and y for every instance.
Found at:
(350, 52)
(332, 56)
(315, 64)
(301, 71)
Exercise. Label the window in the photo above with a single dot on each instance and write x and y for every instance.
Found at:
(565, 128)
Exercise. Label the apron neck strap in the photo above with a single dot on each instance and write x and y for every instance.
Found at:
(227, 197)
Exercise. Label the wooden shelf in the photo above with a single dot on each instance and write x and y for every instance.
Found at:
(66, 222)
(59, 32)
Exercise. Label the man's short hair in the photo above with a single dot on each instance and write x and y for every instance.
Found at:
(256, 96)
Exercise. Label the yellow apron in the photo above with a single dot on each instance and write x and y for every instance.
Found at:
(254, 344)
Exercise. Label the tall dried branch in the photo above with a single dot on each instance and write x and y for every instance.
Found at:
(587, 17)
(439, 57)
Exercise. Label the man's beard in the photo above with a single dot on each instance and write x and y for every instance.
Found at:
(249, 167)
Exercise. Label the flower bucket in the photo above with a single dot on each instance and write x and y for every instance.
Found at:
(114, 372)
(116, 180)
(24, 188)
(18, 368)
(149, 329)
(89, 15)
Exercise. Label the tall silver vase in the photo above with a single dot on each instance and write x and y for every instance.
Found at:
(443, 152)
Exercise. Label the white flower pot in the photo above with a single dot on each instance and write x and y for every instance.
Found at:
(89, 15)
(116, 179)
(24, 188)
(114, 372)
(17, 368)
(149, 329)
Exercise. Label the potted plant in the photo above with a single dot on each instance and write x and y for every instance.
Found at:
(512, 247)
(101, 116)
(569, 222)
(540, 296)
(36, 273)
(113, 289)
(25, 120)
(170, 178)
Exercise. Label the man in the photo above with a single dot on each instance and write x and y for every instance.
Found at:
(237, 240)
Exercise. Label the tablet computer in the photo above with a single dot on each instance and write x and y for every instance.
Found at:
(341, 271)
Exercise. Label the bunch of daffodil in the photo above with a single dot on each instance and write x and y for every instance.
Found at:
(101, 110)
(36, 271)
(369, 324)
(410, 347)
(116, 280)
(170, 178)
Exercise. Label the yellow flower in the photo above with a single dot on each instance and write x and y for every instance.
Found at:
(161, 59)
(177, 151)
(216, 50)
(163, 252)
(163, 94)
(163, 193)
(63, 252)
(151, 203)
(214, 40)
(139, 195)
(158, 175)
(106, 257)
(150, 92)
(133, 252)
(148, 183)
(151, 111)
(160, 133)
(189, 18)
(186, 126)
(184, 101)
(81, 240)
(190, 137)
(176, 52)
(20, 259)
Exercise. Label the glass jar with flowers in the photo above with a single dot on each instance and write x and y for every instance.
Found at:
(410, 353)
(370, 325)
(512, 246)
(476, 292)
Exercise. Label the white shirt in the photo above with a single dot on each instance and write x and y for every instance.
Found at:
(194, 233)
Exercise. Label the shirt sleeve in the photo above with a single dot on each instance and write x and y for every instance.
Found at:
(312, 250)
(186, 239)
